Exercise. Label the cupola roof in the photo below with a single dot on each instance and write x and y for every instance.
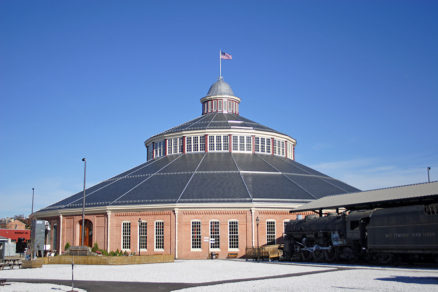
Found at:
(220, 87)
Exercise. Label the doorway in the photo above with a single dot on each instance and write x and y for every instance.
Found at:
(88, 238)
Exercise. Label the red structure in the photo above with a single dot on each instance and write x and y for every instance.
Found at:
(14, 234)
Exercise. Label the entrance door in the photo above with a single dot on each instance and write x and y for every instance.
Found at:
(88, 239)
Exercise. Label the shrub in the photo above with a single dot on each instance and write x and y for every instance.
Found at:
(95, 247)
(67, 246)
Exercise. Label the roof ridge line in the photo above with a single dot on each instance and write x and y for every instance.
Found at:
(111, 182)
(134, 187)
(215, 114)
(241, 177)
(190, 179)
(289, 179)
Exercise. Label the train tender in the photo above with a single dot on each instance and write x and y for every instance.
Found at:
(378, 235)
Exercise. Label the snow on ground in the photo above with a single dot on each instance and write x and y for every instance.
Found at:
(194, 271)
(33, 287)
(363, 279)
(327, 278)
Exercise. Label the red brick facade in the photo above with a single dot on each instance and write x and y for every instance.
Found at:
(177, 231)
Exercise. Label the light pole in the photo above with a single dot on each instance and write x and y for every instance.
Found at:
(258, 247)
(428, 175)
(139, 239)
(33, 195)
(83, 203)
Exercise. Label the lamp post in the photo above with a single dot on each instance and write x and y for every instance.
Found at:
(139, 239)
(258, 247)
(83, 203)
(33, 195)
(428, 174)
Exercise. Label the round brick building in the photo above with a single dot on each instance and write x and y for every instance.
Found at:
(219, 183)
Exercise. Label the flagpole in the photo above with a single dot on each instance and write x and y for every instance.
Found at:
(220, 64)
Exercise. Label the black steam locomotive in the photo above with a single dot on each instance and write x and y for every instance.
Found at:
(378, 235)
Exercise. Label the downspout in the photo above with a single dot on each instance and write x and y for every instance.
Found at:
(108, 215)
(252, 225)
(176, 232)
(60, 233)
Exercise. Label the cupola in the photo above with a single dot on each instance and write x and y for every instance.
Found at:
(220, 98)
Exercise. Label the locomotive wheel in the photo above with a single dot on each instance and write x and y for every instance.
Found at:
(318, 256)
(331, 255)
(306, 256)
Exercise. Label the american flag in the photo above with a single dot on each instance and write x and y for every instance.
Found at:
(226, 56)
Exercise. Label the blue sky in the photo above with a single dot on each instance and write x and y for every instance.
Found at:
(354, 82)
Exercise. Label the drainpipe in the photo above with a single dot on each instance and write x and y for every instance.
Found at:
(252, 225)
(176, 232)
(108, 215)
(60, 233)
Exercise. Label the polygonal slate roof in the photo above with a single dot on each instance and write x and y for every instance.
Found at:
(218, 121)
(210, 178)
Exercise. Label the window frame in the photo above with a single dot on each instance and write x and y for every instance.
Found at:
(231, 237)
(123, 236)
(161, 235)
(198, 239)
(218, 235)
(269, 234)
(144, 235)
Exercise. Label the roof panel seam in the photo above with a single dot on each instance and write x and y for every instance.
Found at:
(152, 175)
(288, 178)
(241, 177)
(190, 179)
(116, 180)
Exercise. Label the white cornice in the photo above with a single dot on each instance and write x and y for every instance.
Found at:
(228, 97)
(276, 204)
(237, 130)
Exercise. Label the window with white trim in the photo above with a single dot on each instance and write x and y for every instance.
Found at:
(159, 235)
(270, 232)
(226, 143)
(257, 144)
(209, 106)
(158, 148)
(202, 143)
(282, 148)
(262, 145)
(235, 143)
(268, 145)
(181, 144)
(229, 106)
(233, 234)
(290, 150)
(214, 105)
(241, 143)
(218, 143)
(143, 235)
(174, 146)
(126, 235)
(248, 144)
(210, 143)
(169, 146)
(275, 147)
(214, 234)
(196, 143)
(219, 105)
(188, 144)
(196, 234)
